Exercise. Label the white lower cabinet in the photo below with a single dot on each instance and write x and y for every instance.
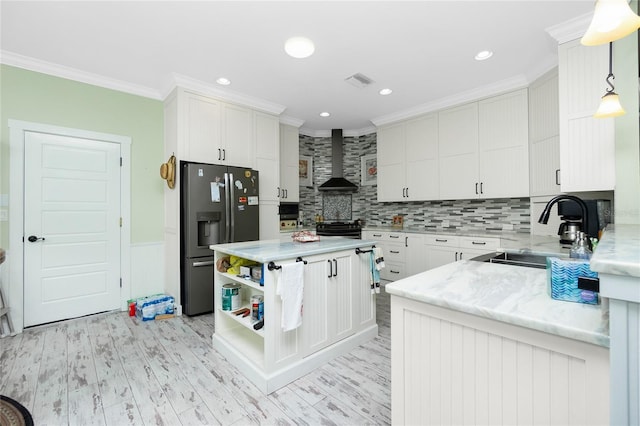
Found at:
(443, 249)
(404, 253)
(328, 300)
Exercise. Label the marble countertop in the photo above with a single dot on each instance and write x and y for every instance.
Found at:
(511, 294)
(618, 252)
(272, 250)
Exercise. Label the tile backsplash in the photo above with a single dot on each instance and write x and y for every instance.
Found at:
(509, 214)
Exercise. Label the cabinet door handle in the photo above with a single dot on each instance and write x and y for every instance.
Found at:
(224, 155)
(478, 243)
(476, 188)
(456, 256)
(407, 192)
(402, 192)
(278, 196)
(557, 176)
(219, 154)
(406, 241)
(441, 241)
(460, 256)
(286, 193)
(481, 188)
(330, 269)
(335, 264)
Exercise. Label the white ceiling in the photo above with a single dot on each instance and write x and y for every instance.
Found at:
(423, 50)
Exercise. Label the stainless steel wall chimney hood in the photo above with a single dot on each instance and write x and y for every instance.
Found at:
(337, 181)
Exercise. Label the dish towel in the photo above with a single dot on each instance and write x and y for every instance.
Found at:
(377, 264)
(374, 278)
(290, 288)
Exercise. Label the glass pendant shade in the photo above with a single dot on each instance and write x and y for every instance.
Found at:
(609, 106)
(612, 20)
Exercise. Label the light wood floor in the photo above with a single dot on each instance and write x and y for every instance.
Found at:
(110, 369)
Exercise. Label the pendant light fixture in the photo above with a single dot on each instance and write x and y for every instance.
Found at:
(610, 103)
(612, 20)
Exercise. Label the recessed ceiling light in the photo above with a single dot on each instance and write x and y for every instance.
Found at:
(299, 47)
(485, 54)
(324, 114)
(223, 81)
(385, 92)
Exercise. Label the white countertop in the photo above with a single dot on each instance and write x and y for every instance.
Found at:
(618, 252)
(272, 250)
(511, 294)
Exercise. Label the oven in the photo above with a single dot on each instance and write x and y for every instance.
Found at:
(339, 229)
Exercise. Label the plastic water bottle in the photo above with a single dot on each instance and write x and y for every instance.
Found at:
(580, 248)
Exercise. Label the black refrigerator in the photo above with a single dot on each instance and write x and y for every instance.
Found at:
(218, 204)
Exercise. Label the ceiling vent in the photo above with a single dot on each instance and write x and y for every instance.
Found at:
(358, 80)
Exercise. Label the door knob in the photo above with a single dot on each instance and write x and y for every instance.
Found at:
(33, 238)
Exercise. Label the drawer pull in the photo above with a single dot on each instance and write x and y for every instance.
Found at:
(478, 243)
(394, 251)
(394, 236)
(441, 241)
(394, 272)
(377, 235)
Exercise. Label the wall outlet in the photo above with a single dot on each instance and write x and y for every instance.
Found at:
(4, 215)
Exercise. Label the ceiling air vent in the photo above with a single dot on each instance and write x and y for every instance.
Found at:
(358, 80)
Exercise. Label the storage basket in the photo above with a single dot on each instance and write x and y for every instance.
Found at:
(562, 279)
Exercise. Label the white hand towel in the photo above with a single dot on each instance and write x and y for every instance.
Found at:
(290, 288)
(379, 257)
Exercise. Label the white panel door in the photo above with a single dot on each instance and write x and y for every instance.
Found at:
(72, 207)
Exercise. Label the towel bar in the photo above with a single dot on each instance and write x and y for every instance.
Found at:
(358, 251)
(271, 266)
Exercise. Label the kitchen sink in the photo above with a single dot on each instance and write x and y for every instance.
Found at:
(528, 260)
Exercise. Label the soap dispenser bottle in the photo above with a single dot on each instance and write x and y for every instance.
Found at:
(580, 248)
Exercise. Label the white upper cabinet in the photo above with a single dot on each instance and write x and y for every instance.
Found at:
(202, 130)
(267, 154)
(484, 149)
(587, 145)
(504, 146)
(544, 140)
(236, 146)
(212, 131)
(408, 160)
(289, 190)
(458, 147)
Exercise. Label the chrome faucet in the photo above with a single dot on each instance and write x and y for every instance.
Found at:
(544, 217)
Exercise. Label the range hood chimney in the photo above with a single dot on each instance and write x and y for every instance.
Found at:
(337, 181)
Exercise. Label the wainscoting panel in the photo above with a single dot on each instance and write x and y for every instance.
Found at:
(147, 269)
(454, 368)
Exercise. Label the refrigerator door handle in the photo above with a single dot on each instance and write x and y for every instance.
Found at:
(231, 209)
(227, 200)
(206, 263)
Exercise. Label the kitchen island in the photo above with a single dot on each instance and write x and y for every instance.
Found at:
(483, 343)
(339, 308)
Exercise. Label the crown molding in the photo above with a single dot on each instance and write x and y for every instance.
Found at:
(56, 70)
(493, 89)
(571, 29)
(178, 80)
(291, 121)
(345, 133)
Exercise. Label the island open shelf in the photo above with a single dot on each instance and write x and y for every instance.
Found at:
(339, 308)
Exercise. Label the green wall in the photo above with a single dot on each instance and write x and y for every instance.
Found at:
(40, 98)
